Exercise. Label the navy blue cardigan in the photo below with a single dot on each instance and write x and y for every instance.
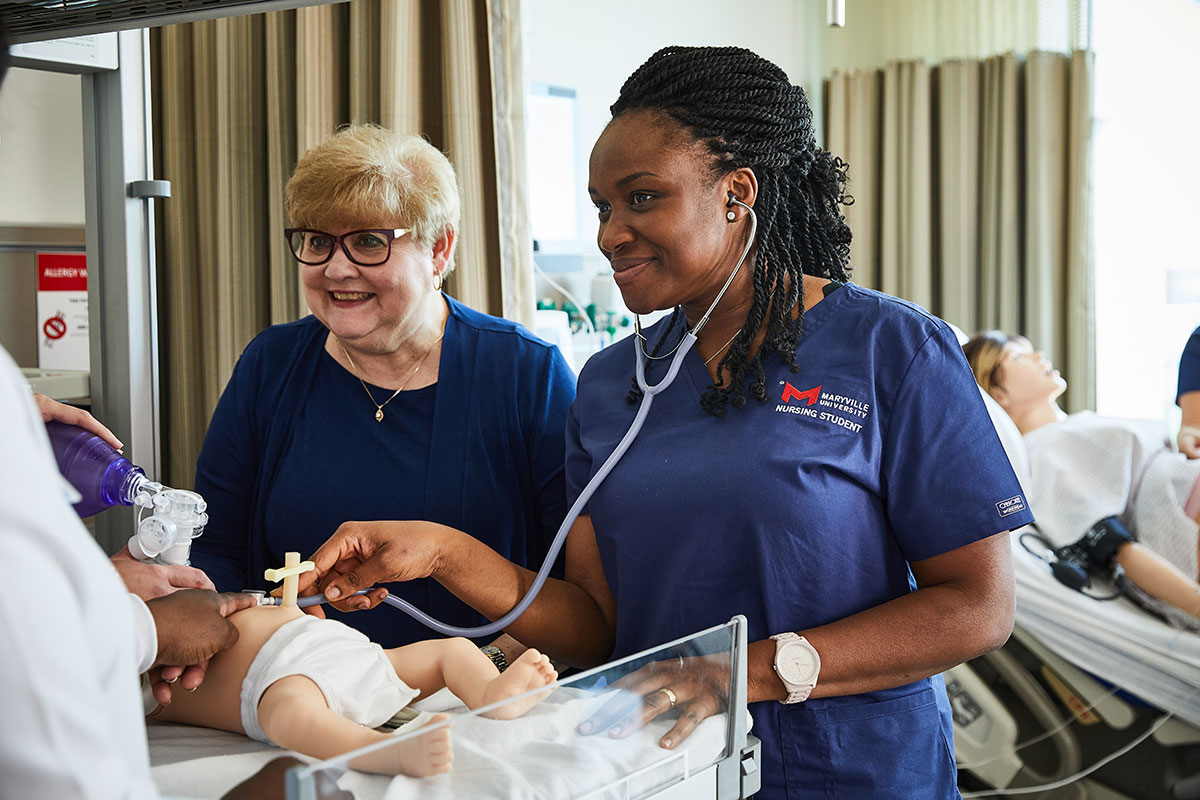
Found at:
(495, 466)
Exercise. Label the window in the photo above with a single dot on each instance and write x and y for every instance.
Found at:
(1147, 201)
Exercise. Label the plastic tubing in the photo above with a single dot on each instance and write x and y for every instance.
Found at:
(648, 393)
(559, 538)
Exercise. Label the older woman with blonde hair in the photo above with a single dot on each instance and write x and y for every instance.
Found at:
(391, 402)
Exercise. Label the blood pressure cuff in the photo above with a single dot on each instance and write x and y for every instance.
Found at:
(1100, 544)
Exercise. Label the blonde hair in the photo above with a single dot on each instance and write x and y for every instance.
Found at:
(368, 176)
(985, 354)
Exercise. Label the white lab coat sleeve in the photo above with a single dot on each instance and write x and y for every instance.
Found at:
(145, 634)
(72, 725)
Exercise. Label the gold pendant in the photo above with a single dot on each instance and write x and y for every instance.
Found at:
(379, 415)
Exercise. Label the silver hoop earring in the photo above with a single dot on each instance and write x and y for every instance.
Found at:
(730, 215)
(437, 281)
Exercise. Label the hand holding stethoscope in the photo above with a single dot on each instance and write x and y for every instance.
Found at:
(366, 552)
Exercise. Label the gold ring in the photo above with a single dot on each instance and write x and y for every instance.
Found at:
(671, 698)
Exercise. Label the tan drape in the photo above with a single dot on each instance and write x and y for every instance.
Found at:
(853, 107)
(906, 253)
(238, 100)
(972, 195)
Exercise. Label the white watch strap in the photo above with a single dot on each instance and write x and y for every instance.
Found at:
(794, 695)
(798, 696)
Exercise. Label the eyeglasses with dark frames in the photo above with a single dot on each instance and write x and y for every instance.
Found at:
(367, 248)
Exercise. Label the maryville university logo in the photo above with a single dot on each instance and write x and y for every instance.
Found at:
(835, 409)
(791, 393)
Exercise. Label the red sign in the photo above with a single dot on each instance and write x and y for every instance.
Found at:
(55, 327)
(62, 272)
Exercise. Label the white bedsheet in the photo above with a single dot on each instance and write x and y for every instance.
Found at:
(536, 756)
(1114, 640)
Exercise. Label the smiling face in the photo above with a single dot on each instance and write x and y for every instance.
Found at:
(1026, 377)
(662, 216)
(375, 309)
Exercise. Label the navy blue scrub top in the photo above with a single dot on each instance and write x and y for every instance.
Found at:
(339, 450)
(796, 512)
(1189, 366)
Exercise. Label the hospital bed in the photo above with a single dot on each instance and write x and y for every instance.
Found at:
(1081, 681)
(539, 755)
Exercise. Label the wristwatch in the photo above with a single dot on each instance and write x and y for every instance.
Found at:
(797, 665)
(496, 655)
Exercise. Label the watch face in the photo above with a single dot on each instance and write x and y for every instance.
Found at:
(797, 662)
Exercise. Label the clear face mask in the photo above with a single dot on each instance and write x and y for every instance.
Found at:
(177, 516)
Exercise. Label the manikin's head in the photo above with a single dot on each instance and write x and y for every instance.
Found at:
(1012, 372)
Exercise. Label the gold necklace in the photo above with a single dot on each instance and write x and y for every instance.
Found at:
(411, 375)
(722, 350)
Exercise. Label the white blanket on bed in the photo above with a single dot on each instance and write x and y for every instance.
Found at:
(1114, 640)
(536, 756)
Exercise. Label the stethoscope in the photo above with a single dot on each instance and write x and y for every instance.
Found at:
(677, 355)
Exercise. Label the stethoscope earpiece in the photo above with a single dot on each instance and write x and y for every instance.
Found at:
(733, 200)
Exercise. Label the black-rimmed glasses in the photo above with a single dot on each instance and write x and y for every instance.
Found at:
(367, 248)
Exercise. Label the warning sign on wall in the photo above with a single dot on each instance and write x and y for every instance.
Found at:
(62, 311)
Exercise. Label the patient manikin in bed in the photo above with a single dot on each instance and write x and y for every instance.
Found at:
(1093, 478)
(319, 687)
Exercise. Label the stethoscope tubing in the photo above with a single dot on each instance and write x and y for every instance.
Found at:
(648, 393)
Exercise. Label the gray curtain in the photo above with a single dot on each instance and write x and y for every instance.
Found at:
(972, 194)
(238, 100)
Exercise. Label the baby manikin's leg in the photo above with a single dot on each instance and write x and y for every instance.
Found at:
(459, 665)
(294, 715)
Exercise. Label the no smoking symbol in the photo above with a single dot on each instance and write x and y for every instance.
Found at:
(55, 327)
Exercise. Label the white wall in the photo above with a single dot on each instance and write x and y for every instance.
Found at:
(593, 47)
(41, 149)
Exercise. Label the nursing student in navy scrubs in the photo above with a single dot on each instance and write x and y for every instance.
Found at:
(823, 463)
(1187, 397)
(392, 401)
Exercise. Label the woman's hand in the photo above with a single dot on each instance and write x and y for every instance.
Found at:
(149, 581)
(362, 554)
(192, 627)
(61, 412)
(696, 688)
(1188, 441)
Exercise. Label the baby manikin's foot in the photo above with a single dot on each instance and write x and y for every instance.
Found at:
(528, 672)
(419, 757)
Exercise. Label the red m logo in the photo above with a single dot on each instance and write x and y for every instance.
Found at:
(790, 392)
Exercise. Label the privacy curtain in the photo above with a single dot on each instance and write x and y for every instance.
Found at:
(972, 194)
(238, 100)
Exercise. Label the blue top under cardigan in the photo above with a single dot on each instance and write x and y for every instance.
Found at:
(494, 463)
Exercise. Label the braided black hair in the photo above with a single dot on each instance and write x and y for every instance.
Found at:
(747, 113)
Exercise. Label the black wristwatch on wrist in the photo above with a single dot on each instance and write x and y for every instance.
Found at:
(496, 655)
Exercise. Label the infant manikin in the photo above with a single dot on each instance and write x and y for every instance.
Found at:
(319, 687)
